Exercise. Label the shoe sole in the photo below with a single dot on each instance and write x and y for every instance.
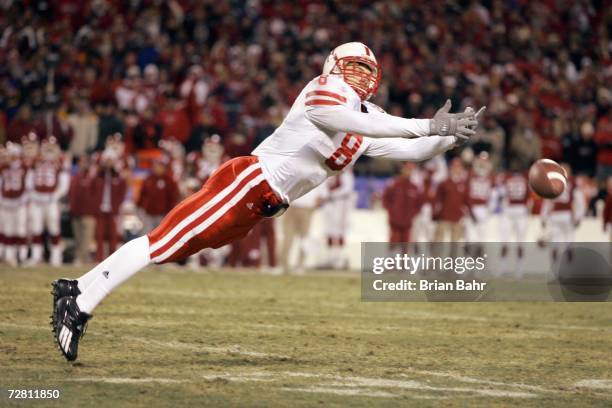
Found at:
(56, 319)
(55, 291)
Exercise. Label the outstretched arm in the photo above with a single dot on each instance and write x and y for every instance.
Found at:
(410, 149)
(340, 118)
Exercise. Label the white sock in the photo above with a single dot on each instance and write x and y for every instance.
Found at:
(96, 284)
(37, 253)
(23, 252)
(56, 257)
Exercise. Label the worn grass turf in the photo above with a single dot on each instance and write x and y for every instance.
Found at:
(171, 338)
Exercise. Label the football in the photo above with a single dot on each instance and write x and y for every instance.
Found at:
(547, 178)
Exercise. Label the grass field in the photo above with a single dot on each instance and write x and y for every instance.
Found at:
(170, 338)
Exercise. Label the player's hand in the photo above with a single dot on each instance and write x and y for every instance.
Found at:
(462, 140)
(453, 124)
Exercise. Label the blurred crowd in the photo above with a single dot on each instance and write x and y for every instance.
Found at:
(188, 69)
(168, 75)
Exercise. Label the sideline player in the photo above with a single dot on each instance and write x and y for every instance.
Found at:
(50, 183)
(514, 191)
(16, 182)
(336, 207)
(329, 126)
(562, 216)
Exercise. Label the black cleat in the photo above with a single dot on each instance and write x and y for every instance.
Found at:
(71, 324)
(62, 288)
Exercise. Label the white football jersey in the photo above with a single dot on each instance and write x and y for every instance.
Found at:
(325, 131)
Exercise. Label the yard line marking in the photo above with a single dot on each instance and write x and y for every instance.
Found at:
(342, 391)
(342, 382)
(598, 384)
(231, 349)
(255, 377)
(473, 380)
(126, 380)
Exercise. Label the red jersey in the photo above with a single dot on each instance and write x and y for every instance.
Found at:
(479, 189)
(159, 194)
(81, 194)
(516, 188)
(13, 177)
(46, 175)
(451, 197)
(403, 200)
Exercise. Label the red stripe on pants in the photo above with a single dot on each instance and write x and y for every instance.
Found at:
(235, 223)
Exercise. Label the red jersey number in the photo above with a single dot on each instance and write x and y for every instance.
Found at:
(13, 180)
(344, 154)
(45, 176)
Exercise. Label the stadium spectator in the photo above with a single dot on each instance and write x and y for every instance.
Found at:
(53, 122)
(82, 209)
(159, 194)
(174, 119)
(580, 149)
(194, 90)
(525, 145)
(492, 139)
(148, 131)
(109, 123)
(84, 125)
(129, 94)
(20, 125)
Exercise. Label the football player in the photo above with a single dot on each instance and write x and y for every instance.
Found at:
(562, 216)
(513, 189)
(50, 181)
(337, 207)
(16, 183)
(330, 125)
(481, 201)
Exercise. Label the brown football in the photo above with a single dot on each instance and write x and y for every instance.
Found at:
(547, 178)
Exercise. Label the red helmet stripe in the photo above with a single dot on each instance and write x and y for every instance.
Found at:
(326, 93)
(320, 102)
